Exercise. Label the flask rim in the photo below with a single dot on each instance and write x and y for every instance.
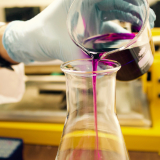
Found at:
(115, 67)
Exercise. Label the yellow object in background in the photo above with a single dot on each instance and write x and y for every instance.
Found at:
(155, 32)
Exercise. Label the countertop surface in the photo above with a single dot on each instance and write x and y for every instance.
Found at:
(34, 152)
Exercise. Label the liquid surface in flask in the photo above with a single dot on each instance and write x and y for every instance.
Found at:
(110, 146)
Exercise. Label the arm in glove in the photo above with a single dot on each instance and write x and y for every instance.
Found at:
(43, 38)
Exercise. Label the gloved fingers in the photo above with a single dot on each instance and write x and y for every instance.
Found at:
(122, 16)
(152, 18)
(120, 5)
(129, 8)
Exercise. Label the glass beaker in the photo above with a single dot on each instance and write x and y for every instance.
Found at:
(84, 136)
(114, 29)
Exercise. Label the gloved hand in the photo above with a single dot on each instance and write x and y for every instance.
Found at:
(86, 17)
(89, 18)
(43, 38)
(124, 10)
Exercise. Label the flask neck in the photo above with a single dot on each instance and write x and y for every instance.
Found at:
(80, 97)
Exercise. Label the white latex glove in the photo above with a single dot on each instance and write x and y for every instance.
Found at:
(44, 37)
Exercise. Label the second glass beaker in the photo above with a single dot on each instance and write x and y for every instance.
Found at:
(91, 134)
(114, 29)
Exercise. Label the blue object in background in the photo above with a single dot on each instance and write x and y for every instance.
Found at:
(11, 149)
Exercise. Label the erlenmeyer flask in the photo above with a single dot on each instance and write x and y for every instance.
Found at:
(117, 29)
(84, 136)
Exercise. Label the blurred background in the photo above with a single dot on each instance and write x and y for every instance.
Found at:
(39, 117)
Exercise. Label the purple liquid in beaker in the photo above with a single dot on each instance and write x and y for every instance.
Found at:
(134, 61)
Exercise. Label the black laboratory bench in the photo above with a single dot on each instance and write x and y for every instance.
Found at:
(35, 152)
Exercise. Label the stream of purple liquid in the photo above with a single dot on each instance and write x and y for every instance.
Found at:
(94, 79)
(106, 38)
